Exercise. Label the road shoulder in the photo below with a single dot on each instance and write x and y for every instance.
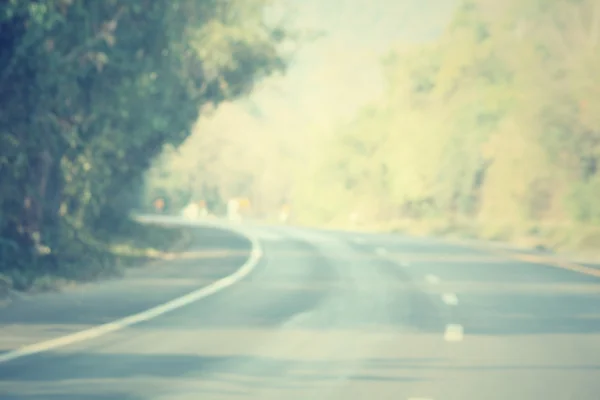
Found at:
(215, 255)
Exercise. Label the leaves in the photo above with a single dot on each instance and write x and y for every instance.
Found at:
(101, 87)
(497, 119)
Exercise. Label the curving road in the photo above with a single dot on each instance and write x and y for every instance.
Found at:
(323, 315)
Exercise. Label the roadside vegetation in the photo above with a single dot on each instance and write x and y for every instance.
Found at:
(92, 91)
(491, 131)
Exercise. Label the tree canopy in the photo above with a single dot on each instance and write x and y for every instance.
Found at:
(498, 120)
(93, 91)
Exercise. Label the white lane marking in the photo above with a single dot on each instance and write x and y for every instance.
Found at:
(450, 299)
(453, 333)
(432, 279)
(380, 251)
(149, 314)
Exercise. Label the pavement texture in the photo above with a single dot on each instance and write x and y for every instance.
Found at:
(323, 315)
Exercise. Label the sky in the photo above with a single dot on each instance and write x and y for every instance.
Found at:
(330, 78)
(283, 122)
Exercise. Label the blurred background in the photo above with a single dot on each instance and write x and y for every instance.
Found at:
(472, 118)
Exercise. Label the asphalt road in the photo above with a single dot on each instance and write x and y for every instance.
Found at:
(323, 315)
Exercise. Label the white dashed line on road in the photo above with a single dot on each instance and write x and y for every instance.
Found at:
(432, 279)
(380, 251)
(453, 333)
(450, 299)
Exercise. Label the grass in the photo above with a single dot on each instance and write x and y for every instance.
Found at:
(556, 237)
(575, 239)
(134, 246)
(147, 242)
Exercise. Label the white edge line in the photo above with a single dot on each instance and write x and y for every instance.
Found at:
(454, 333)
(450, 299)
(100, 330)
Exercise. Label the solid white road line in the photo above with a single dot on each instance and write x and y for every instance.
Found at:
(453, 333)
(450, 299)
(149, 314)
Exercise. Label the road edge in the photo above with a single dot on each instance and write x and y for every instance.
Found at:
(245, 269)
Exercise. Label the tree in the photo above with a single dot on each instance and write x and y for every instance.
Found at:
(95, 90)
(496, 121)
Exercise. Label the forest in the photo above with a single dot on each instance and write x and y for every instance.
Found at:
(92, 91)
(492, 130)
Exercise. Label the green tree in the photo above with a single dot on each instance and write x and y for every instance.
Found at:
(94, 91)
(496, 121)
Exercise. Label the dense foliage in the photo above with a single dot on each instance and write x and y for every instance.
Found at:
(497, 121)
(91, 92)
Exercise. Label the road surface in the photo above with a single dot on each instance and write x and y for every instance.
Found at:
(323, 315)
